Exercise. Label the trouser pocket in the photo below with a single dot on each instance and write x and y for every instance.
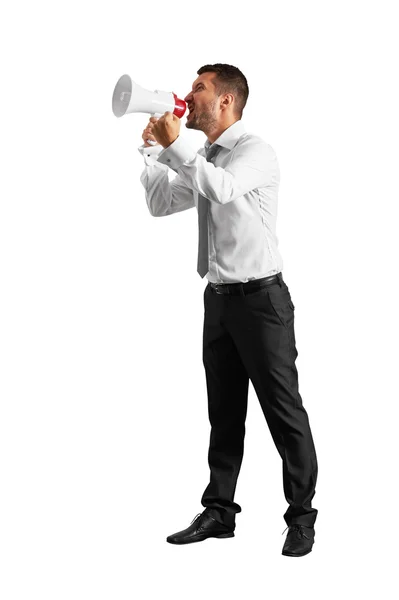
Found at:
(283, 306)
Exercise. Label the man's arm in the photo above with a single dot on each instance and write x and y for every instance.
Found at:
(253, 165)
(163, 197)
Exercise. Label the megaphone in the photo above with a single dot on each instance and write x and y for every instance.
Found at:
(130, 97)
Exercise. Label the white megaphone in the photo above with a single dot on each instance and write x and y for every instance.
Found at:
(130, 97)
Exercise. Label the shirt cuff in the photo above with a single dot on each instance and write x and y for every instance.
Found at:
(150, 153)
(177, 154)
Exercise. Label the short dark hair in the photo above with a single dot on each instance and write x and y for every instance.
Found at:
(229, 79)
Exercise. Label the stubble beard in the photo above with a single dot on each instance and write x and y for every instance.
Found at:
(205, 121)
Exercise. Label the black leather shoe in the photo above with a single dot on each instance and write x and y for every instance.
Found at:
(299, 540)
(202, 527)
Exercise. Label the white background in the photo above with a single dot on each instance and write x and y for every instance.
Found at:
(104, 428)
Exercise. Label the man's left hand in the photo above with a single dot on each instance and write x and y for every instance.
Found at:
(167, 129)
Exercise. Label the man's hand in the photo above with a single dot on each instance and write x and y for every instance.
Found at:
(147, 133)
(167, 129)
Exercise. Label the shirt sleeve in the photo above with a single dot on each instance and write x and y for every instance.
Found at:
(162, 196)
(253, 164)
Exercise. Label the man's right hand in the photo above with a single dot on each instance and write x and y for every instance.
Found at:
(147, 133)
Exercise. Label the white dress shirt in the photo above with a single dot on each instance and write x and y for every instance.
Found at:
(242, 187)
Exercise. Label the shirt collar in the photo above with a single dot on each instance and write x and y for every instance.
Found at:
(229, 137)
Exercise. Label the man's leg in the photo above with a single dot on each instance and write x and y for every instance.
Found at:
(227, 386)
(262, 326)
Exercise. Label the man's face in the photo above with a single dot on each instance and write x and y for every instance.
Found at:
(202, 100)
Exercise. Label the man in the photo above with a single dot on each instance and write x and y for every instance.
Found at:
(249, 314)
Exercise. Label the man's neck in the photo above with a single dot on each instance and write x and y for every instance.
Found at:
(217, 133)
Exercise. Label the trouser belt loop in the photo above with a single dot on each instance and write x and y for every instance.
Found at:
(280, 279)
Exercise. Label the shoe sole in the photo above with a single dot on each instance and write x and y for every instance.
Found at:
(221, 535)
(297, 555)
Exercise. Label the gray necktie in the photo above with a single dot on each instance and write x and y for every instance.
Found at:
(203, 207)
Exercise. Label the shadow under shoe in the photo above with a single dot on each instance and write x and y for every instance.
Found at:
(299, 540)
(203, 526)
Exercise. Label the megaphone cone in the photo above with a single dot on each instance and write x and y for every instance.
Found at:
(130, 97)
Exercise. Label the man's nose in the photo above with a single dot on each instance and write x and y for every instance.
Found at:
(187, 98)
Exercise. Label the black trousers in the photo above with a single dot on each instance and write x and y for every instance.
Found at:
(249, 334)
